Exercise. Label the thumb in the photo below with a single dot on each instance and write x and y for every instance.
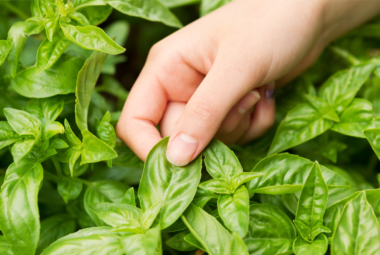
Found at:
(221, 89)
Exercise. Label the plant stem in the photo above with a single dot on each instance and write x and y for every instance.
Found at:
(16, 10)
(51, 176)
(346, 55)
(85, 182)
(57, 166)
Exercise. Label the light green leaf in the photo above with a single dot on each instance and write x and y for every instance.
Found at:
(87, 78)
(144, 244)
(270, 230)
(51, 24)
(95, 150)
(5, 248)
(212, 5)
(96, 14)
(219, 186)
(194, 242)
(166, 183)
(5, 47)
(201, 224)
(286, 173)
(106, 131)
(317, 247)
(177, 242)
(373, 137)
(244, 177)
(69, 188)
(238, 246)
(49, 108)
(7, 135)
(91, 38)
(234, 210)
(19, 217)
(21, 148)
(129, 197)
(59, 79)
(22, 122)
(150, 215)
(322, 107)
(358, 231)
(80, 18)
(301, 124)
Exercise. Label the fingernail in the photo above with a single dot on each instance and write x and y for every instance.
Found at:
(182, 150)
(247, 105)
(269, 93)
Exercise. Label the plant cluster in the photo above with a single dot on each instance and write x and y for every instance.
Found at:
(69, 184)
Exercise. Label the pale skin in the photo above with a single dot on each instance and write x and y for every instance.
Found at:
(202, 81)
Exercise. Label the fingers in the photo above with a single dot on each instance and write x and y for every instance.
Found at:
(263, 116)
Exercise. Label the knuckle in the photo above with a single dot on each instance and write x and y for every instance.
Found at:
(204, 110)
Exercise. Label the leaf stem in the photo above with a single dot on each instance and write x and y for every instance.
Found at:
(346, 55)
(16, 10)
(57, 166)
(51, 176)
(85, 182)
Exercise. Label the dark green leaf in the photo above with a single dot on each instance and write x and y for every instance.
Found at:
(178, 242)
(69, 188)
(317, 247)
(373, 136)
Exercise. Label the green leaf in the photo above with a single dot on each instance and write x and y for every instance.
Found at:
(356, 118)
(358, 231)
(70, 135)
(54, 228)
(94, 241)
(5, 248)
(129, 197)
(106, 131)
(22, 122)
(21, 148)
(150, 215)
(177, 242)
(286, 173)
(219, 186)
(234, 210)
(5, 47)
(91, 38)
(301, 124)
(59, 79)
(270, 230)
(144, 244)
(373, 137)
(7, 135)
(50, 51)
(164, 182)
(238, 246)
(51, 24)
(47, 108)
(96, 14)
(220, 161)
(80, 18)
(95, 150)
(177, 3)
(312, 204)
(244, 177)
(112, 86)
(212, 5)
(19, 217)
(194, 242)
(87, 78)
(323, 108)
(317, 247)
(103, 191)
(201, 224)
(340, 89)
(69, 188)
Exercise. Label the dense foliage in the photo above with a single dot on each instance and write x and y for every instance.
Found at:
(68, 183)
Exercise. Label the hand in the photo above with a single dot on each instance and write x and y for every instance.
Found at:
(205, 75)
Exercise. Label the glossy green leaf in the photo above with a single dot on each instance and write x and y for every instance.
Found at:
(21, 149)
(234, 210)
(144, 244)
(69, 188)
(324, 108)
(96, 14)
(95, 150)
(201, 224)
(317, 247)
(312, 204)
(5, 248)
(212, 5)
(177, 3)
(219, 186)
(22, 122)
(54, 228)
(87, 78)
(150, 215)
(51, 21)
(103, 191)
(91, 38)
(59, 79)
(48, 108)
(177, 242)
(94, 241)
(190, 238)
(238, 246)
(5, 47)
(80, 18)
(50, 51)
(244, 177)
(129, 197)
(340, 89)
(7, 135)
(373, 136)
(356, 118)
(19, 217)
(163, 182)
(286, 173)
(270, 230)
(358, 231)
(301, 124)
(105, 131)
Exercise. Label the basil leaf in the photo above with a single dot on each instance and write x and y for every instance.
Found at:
(46, 108)
(177, 3)
(80, 18)
(91, 38)
(212, 5)
(286, 173)
(103, 191)
(22, 122)
(150, 215)
(234, 210)
(146, 243)
(112, 86)
(50, 51)
(201, 224)
(373, 136)
(59, 79)
(220, 161)
(194, 242)
(340, 89)
(219, 186)
(54, 228)
(95, 150)
(5, 47)
(96, 14)
(69, 188)
(317, 247)
(270, 230)
(244, 177)
(51, 25)
(7, 135)
(177, 242)
(129, 197)
(238, 246)
(168, 184)
(21, 148)
(358, 230)
(312, 204)
(87, 78)
(106, 131)
(94, 241)
(301, 124)
(323, 108)
(5, 248)
(19, 217)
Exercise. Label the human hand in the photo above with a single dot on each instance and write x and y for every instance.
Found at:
(211, 66)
